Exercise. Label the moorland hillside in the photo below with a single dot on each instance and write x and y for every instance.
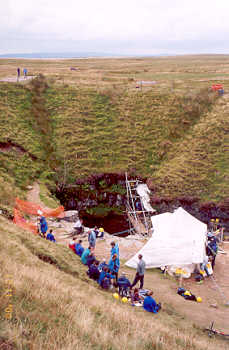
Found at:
(65, 125)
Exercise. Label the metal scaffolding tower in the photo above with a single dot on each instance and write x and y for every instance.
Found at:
(139, 218)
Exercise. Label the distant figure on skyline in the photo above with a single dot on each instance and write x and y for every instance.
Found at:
(25, 72)
(18, 73)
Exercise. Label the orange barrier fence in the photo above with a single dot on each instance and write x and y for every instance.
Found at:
(35, 209)
(21, 222)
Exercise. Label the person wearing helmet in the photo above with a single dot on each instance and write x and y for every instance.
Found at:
(101, 232)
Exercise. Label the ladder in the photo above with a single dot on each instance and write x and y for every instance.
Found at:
(139, 218)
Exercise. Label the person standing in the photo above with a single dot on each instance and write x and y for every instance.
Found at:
(43, 225)
(140, 272)
(114, 265)
(92, 238)
(18, 73)
(25, 72)
(114, 249)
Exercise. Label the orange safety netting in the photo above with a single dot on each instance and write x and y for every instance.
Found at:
(35, 209)
(20, 221)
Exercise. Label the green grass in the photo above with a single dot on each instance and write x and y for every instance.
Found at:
(46, 197)
(173, 133)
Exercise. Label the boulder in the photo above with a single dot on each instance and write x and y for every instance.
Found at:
(70, 216)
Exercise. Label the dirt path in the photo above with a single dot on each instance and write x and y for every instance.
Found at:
(16, 80)
(165, 289)
(34, 195)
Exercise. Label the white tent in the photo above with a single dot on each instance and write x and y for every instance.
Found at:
(178, 240)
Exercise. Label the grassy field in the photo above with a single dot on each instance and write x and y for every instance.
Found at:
(67, 125)
(47, 302)
(70, 124)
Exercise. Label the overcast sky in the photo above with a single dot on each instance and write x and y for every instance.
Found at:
(114, 26)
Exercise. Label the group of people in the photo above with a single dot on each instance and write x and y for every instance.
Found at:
(43, 228)
(106, 274)
(25, 72)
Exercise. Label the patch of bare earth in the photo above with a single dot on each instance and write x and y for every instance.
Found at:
(16, 80)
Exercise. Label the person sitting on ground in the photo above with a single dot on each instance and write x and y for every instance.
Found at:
(135, 296)
(78, 226)
(204, 267)
(85, 255)
(72, 244)
(50, 236)
(102, 264)
(114, 266)
(78, 248)
(150, 304)
(105, 278)
(114, 249)
(90, 259)
(123, 285)
(93, 271)
(101, 233)
(92, 238)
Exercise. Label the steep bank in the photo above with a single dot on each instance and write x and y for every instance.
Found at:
(54, 306)
(58, 133)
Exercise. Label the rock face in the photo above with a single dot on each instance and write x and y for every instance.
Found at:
(70, 216)
(101, 189)
(202, 211)
(108, 192)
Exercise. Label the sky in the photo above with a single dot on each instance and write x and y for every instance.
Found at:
(125, 27)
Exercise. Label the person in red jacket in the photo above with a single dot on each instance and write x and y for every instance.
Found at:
(72, 244)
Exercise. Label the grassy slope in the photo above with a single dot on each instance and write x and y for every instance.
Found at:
(54, 306)
(202, 156)
(167, 137)
(99, 122)
(17, 167)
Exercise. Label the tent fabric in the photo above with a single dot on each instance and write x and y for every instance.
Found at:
(143, 191)
(178, 240)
